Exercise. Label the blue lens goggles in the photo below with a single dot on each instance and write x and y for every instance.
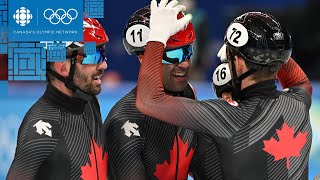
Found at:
(177, 55)
(96, 58)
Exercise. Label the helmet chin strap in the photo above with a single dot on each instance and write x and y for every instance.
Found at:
(237, 80)
(68, 82)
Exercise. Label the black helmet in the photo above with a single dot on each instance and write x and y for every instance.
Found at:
(137, 31)
(260, 39)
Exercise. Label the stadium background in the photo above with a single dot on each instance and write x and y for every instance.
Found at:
(211, 18)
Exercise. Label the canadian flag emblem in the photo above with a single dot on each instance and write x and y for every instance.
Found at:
(232, 102)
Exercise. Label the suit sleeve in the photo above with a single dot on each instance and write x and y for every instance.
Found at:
(151, 99)
(32, 148)
(124, 142)
(293, 77)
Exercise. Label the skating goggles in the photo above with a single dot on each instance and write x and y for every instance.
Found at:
(96, 58)
(177, 55)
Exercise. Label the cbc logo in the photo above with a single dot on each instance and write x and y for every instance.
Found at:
(22, 16)
(60, 15)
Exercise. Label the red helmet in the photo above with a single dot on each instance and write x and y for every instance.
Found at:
(183, 37)
(92, 32)
(137, 31)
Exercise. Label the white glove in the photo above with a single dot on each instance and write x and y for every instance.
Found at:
(164, 22)
(222, 54)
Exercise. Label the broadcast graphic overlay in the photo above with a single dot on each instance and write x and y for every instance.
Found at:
(34, 32)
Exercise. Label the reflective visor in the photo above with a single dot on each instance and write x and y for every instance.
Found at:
(96, 58)
(177, 55)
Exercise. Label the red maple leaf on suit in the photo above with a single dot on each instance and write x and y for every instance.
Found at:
(97, 158)
(167, 171)
(287, 146)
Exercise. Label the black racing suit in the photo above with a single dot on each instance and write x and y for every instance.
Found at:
(206, 162)
(266, 136)
(141, 147)
(60, 138)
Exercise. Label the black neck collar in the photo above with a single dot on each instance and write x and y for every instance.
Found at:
(264, 89)
(62, 101)
(171, 93)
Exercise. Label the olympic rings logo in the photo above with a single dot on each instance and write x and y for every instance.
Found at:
(60, 15)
